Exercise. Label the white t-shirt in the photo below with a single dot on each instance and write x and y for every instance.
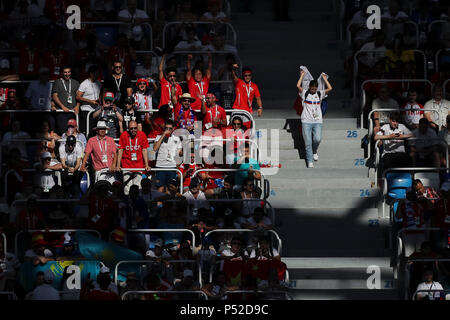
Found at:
(425, 140)
(383, 117)
(196, 203)
(394, 145)
(167, 153)
(228, 253)
(91, 90)
(370, 58)
(45, 292)
(47, 179)
(274, 252)
(6, 141)
(151, 254)
(71, 158)
(443, 108)
(312, 111)
(185, 45)
(411, 116)
(433, 286)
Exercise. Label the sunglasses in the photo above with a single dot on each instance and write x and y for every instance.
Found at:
(133, 128)
(108, 101)
(247, 75)
(250, 185)
(117, 67)
(168, 128)
(236, 124)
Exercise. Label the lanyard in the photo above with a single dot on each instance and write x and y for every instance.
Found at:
(65, 88)
(30, 56)
(118, 83)
(135, 146)
(248, 90)
(210, 113)
(56, 61)
(100, 146)
(200, 86)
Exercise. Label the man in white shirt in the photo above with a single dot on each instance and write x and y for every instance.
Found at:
(393, 135)
(15, 133)
(425, 146)
(393, 20)
(88, 94)
(384, 101)
(442, 106)
(191, 43)
(413, 112)
(46, 176)
(370, 58)
(358, 27)
(134, 17)
(196, 199)
(168, 148)
(71, 154)
(428, 288)
(46, 291)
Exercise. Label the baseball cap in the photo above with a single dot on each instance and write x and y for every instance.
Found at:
(129, 100)
(188, 273)
(71, 140)
(46, 155)
(101, 125)
(72, 122)
(173, 182)
(48, 253)
(105, 269)
(109, 96)
(194, 182)
(140, 80)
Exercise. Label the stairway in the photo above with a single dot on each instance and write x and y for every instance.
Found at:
(327, 216)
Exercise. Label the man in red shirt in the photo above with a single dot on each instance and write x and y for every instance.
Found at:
(245, 90)
(133, 154)
(184, 115)
(214, 123)
(198, 84)
(170, 89)
(102, 150)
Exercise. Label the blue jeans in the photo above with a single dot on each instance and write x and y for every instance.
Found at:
(312, 135)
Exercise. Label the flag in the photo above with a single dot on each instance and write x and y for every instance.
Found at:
(233, 271)
(91, 247)
(280, 266)
(259, 269)
(26, 277)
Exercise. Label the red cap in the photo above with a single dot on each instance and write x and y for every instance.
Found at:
(109, 95)
(72, 122)
(142, 80)
(211, 95)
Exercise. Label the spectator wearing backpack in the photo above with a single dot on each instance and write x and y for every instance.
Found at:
(312, 115)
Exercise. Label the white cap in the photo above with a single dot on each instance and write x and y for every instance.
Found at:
(188, 273)
(48, 253)
(104, 269)
(101, 125)
(136, 33)
(48, 275)
(46, 154)
(4, 64)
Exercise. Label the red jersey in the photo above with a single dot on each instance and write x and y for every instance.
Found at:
(413, 215)
(184, 117)
(158, 127)
(245, 94)
(165, 92)
(216, 112)
(132, 149)
(198, 88)
(105, 208)
(55, 62)
(184, 167)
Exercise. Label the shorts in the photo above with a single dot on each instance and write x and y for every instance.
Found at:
(163, 177)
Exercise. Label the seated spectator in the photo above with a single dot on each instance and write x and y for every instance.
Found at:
(442, 106)
(383, 101)
(259, 220)
(68, 251)
(250, 194)
(38, 254)
(71, 154)
(419, 267)
(132, 284)
(31, 217)
(147, 69)
(368, 60)
(227, 211)
(248, 168)
(392, 136)
(393, 20)
(132, 157)
(135, 18)
(158, 121)
(187, 170)
(272, 287)
(264, 251)
(137, 218)
(426, 145)
(429, 285)
(188, 283)
(168, 148)
(129, 114)
(219, 44)
(102, 208)
(196, 199)
(214, 14)
(206, 256)
(6, 73)
(64, 94)
(49, 139)
(411, 118)
(15, 133)
(237, 132)
(143, 102)
(397, 55)
(428, 193)
(235, 252)
(110, 114)
(102, 150)
(12, 102)
(72, 130)
(445, 141)
(46, 169)
(100, 290)
(46, 291)
(217, 289)
(147, 193)
(153, 282)
(358, 27)
(156, 252)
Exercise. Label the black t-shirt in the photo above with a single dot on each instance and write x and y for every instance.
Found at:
(129, 116)
(118, 87)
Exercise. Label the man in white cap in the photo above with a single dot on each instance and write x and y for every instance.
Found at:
(46, 176)
(46, 291)
(184, 115)
(156, 252)
(102, 150)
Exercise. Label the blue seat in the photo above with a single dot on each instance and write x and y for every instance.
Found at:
(397, 185)
(84, 184)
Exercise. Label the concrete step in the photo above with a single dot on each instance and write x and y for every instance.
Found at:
(325, 173)
(327, 156)
(383, 294)
(337, 273)
(279, 199)
(322, 164)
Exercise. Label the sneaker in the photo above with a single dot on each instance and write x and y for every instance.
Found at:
(310, 165)
(315, 156)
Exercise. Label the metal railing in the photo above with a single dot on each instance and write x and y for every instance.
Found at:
(16, 238)
(170, 24)
(116, 269)
(363, 92)
(444, 86)
(10, 294)
(446, 292)
(215, 52)
(436, 58)
(164, 293)
(279, 248)
(5, 244)
(356, 64)
(435, 22)
(36, 111)
(162, 231)
(29, 295)
(288, 296)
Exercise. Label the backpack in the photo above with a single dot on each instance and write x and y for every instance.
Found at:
(323, 105)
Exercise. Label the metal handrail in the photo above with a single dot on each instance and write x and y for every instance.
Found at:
(249, 230)
(5, 245)
(116, 269)
(30, 294)
(196, 22)
(288, 295)
(444, 91)
(162, 292)
(363, 93)
(9, 293)
(16, 238)
(436, 58)
(414, 297)
(156, 170)
(356, 63)
(435, 22)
